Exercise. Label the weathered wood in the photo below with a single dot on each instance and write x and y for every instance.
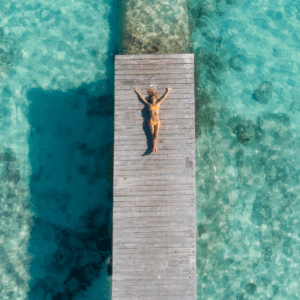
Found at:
(171, 135)
(157, 209)
(133, 183)
(138, 153)
(165, 82)
(163, 123)
(155, 57)
(162, 70)
(159, 280)
(167, 105)
(161, 147)
(161, 203)
(163, 112)
(154, 193)
(149, 187)
(153, 236)
(158, 224)
(182, 91)
(150, 167)
(153, 62)
(153, 78)
(153, 66)
(172, 97)
(184, 141)
(160, 288)
(164, 256)
(152, 250)
(154, 220)
(157, 157)
(140, 131)
(115, 297)
(147, 163)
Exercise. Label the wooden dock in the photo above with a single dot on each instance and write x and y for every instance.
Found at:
(154, 210)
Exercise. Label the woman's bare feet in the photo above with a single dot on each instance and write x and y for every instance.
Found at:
(154, 149)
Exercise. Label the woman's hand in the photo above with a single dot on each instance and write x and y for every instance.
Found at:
(137, 90)
(169, 88)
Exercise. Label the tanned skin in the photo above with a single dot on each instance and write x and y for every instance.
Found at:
(154, 114)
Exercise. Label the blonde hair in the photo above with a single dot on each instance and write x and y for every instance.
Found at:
(152, 92)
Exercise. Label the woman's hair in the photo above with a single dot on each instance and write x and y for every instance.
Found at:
(152, 92)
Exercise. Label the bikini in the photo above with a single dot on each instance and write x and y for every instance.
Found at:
(154, 108)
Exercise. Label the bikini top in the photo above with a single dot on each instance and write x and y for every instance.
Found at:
(154, 107)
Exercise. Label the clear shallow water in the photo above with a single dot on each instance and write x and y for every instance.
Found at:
(56, 64)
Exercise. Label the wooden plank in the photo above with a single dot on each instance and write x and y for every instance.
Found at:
(138, 130)
(187, 89)
(134, 97)
(184, 141)
(150, 187)
(171, 287)
(151, 219)
(186, 172)
(153, 193)
(160, 152)
(152, 236)
(152, 197)
(186, 126)
(149, 162)
(155, 77)
(156, 209)
(154, 56)
(162, 81)
(137, 105)
(133, 224)
(161, 89)
(163, 123)
(154, 66)
(164, 213)
(170, 135)
(146, 256)
(132, 183)
(149, 167)
(162, 61)
(152, 297)
(161, 147)
(144, 183)
(146, 161)
(163, 111)
(136, 118)
(151, 71)
(152, 250)
(162, 203)
(159, 280)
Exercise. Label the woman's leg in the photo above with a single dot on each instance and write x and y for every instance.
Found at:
(151, 127)
(155, 136)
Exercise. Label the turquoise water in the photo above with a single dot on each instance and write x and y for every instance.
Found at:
(56, 114)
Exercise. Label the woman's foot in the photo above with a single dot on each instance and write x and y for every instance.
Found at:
(154, 149)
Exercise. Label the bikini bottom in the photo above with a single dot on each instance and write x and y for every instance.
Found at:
(154, 123)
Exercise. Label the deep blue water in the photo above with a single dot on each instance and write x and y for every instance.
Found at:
(56, 114)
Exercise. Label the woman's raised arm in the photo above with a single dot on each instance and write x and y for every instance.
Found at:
(165, 95)
(137, 90)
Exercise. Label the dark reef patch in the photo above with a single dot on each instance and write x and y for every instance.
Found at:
(9, 52)
(264, 93)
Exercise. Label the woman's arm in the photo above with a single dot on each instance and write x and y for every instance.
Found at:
(137, 90)
(165, 95)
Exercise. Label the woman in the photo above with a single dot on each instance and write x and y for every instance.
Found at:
(154, 107)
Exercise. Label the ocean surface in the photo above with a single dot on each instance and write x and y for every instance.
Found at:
(56, 122)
